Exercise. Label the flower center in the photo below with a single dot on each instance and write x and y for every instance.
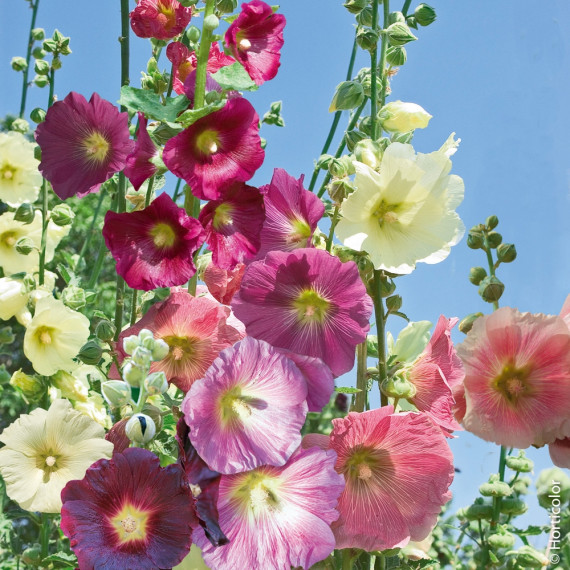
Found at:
(8, 171)
(44, 335)
(364, 471)
(9, 238)
(166, 15)
(311, 307)
(300, 232)
(362, 464)
(244, 44)
(130, 524)
(207, 142)
(512, 383)
(222, 216)
(182, 349)
(50, 460)
(257, 492)
(163, 235)
(386, 213)
(235, 407)
(96, 147)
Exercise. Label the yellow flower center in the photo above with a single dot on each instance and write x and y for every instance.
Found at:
(181, 347)
(207, 142)
(512, 383)
(256, 492)
(7, 172)
(163, 235)
(364, 464)
(311, 307)
(96, 147)
(386, 213)
(235, 407)
(222, 216)
(44, 335)
(300, 232)
(9, 238)
(130, 524)
(166, 15)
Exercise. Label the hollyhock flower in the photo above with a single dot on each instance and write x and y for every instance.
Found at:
(139, 168)
(277, 517)
(223, 146)
(44, 450)
(232, 320)
(128, 512)
(248, 409)
(83, 144)
(20, 179)
(194, 328)
(255, 38)
(291, 212)
(190, 86)
(306, 301)
(159, 19)
(565, 311)
(223, 284)
(398, 116)
(517, 378)
(398, 469)
(233, 224)
(154, 247)
(405, 213)
(54, 336)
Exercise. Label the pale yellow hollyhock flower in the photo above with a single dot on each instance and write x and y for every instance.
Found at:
(94, 407)
(44, 450)
(193, 561)
(54, 336)
(401, 117)
(406, 212)
(20, 178)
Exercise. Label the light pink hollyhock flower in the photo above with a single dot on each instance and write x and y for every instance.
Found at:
(255, 38)
(277, 517)
(139, 168)
(232, 320)
(194, 328)
(233, 224)
(223, 284)
(291, 212)
(248, 409)
(306, 301)
(154, 247)
(223, 146)
(159, 19)
(560, 452)
(565, 312)
(83, 144)
(397, 468)
(517, 378)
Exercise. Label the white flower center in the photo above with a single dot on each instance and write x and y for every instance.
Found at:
(364, 471)
(129, 524)
(244, 44)
(50, 460)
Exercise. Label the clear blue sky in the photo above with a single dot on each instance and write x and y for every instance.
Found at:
(498, 74)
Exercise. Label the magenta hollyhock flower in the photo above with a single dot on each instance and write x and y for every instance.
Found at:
(306, 301)
(233, 224)
(139, 168)
(255, 38)
(154, 247)
(517, 378)
(195, 329)
(83, 144)
(248, 409)
(277, 517)
(128, 512)
(221, 147)
(223, 284)
(159, 19)
(398, 469)
(291, 213)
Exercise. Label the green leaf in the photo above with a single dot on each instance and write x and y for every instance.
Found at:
(530, 531)
(100, 314)
(372, 345)
(234, 77)
(151, 105)
(68, 276)
(347, 390)
(61, 560)
(192, 115)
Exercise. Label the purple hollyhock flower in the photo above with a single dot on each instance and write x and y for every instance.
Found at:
(83, 144)
(248, 409)
(222, 146)
(306, 301)
(277, 517)
(255, 38)
(233, 224)
(139, 168)
(154, 247)
(128, 512)
(291, 214)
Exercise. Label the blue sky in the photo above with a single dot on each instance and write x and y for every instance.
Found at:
(496, 74)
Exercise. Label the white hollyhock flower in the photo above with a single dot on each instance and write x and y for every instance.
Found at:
(398, 116)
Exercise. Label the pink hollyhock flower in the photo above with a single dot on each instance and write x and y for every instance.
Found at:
(159, 19)
(560, 452)
(306, 301)
(517, 378)
(154, 247)
(128, 512)
(83, 144)
(398, 469)
(255, 38)
(248, 409)
(277, 517)
(232, 320)
(565, 312)
(221, 147)
(233, 224)
(291, 213)
(139, 168)
(223, 284)
(194, 328)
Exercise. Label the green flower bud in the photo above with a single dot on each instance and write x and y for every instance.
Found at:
(41, 80)
(145, 333)
(479, 510)
(521, 485)
(38, 115)
(38, 153)
(466, 323)
(367, 38)
(348, 95)
(116, 392)
(71, 388)
(491, 289)
(398, 387)
(160, 350)
(323, 161)
(424, 15)
(337, 168)
(38, 34)
(62, 215)
(193, 34)
(513, 506)
(494, 239)
(41, 67)
(491, 222)
(364, 17)
(142, 356)
(477, 274)
(133, 374)
(130, 343)
(553, 481)
(6, 335)
(506, 252)
(74, 298)
(105, 330)
(365, 126)
(140, 428)
(502, 539)
(38, 53)
(495, 488)
(394, 303)
(90, 353)
(475, 240)
(226, 6)
(20, 126)
(56, 62)
(25, 245)
(394, 17)
(355, 6)
(31, 386)
(156, 383)
(211, 22)
(529, 557)
(32, 555)
(18, 63)
(148, 343)
(412, 22)
(352, 138)
(369, 152)
(25, 213)
(396, 55)
(521, 463)
(399, 34)
(50, 45)
(339, 189)
(387, 287)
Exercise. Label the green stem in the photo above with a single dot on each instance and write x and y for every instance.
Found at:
(203, 54)
(490, 263)
(383, 49)
(374, 72)
(90, 232)
(497, 500)
(361, 397)
(380, 328)
(406, 7)
(177, 190)
(98, 264)
(149, 192)
(347, 558)
(334, 222)
(125, 41)
(35, 6)
(134, 307)
(170, 82)
(44, 535)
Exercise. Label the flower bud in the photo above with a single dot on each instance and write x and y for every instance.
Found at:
(41, 67)
(501, 539)
(337, 168)
(38, 53)
(25, 245)
(404, 138)
(355, 6)
(367, 38)
(396, 55)
(41, 80)
(479, 510)
(6, 335)
(160, 350)
(491, 289)
(38, 115)
(211, 22)
(520, 463)
(398, 116)
(31, 386)
(323, 161)
(521, 485)
(156, 383)
(365, 125)
(387, 287)
(62, 215)
(74, 297)
(18, 63)
(339, 189)
(140, 428)
(32, 555)
(477, 274)
(491, 222)
(394, 303)
(90, 353)
(424, 14)
(71, 387)
(529, 557)
(193, 34)
(513, 506)
(352, 138)
(133, 374)
(368, 152)
(56, 62)
(399, 34)
(130, 343)
(226, 6)
(105, 330)
(25, 213)
(494, 239)
(364, 17)
(396, 16)
(398, 387)
(466, 323)
(474, 239)
(412, 22)
(142, 356)
(38, 34)
(544, 486)
(145, 333)
(148, 343)
(495, 488)
(506, 252)
(348, 95)
(116, 393)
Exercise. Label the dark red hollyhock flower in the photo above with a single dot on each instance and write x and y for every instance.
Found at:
(221, 147)
(128, 512)
(139, 168)
(83, 144)
(159, 19)
(256, 38)
(154, 247)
